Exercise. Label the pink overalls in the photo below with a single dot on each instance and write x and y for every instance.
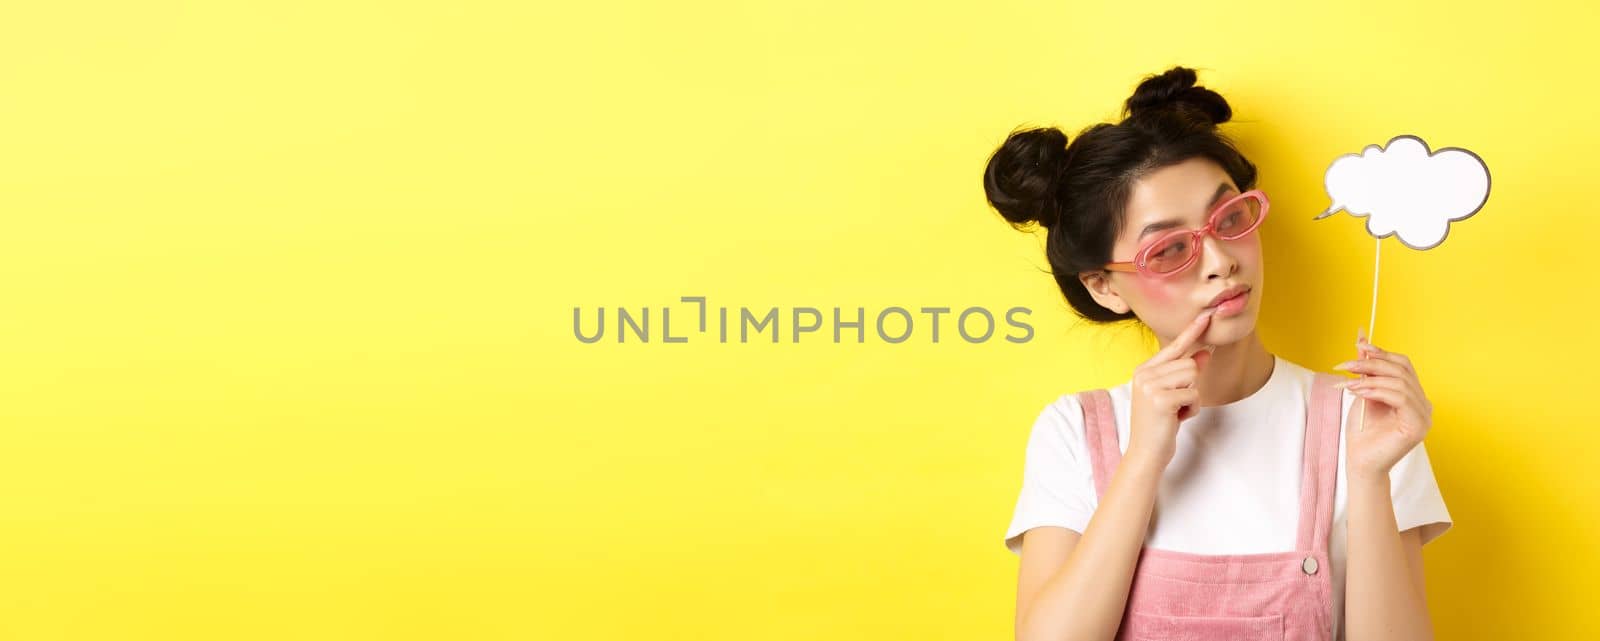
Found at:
(1271, 596)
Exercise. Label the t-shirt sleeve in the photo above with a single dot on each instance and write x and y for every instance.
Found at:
(1417, 501)
(1415, 492)
(1057, 480)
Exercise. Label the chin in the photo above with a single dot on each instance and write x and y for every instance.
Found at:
(1233, 328)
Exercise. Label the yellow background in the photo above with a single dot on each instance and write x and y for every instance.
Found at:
(288, 290)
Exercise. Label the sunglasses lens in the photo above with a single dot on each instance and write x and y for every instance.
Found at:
(1238, 218)
(1173, 252)
(1170, 254)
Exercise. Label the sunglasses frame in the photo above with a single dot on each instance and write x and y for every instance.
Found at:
(1140, 261)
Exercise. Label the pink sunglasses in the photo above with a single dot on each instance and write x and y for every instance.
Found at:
(1175, 251)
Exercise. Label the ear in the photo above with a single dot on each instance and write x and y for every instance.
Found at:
(1099, 285)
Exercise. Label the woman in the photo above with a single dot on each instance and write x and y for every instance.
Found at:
(1215, 494)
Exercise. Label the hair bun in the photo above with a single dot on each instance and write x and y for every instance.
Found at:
(1022, 176)
(1174, 91)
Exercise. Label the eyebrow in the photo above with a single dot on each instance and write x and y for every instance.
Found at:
(1171, 223)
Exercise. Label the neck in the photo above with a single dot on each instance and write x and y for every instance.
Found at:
(1234, 371)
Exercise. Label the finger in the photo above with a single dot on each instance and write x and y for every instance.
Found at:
(1201, 358)
(1160, 370)
(1387, 397)
(1177, 399)
(1186, 339)
(1399, 401)
(1382, 381)
(1368, 350)
(1405, 393)
(1189, 367)
(1374, 368)
(1181, 373)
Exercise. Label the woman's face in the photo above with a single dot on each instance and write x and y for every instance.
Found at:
(1181, 196)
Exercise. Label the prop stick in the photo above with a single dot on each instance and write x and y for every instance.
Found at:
(1372, 322)
(1406, 191)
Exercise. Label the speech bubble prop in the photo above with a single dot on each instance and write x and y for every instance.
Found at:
(1407, 192)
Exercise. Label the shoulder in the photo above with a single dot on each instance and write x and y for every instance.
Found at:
(1301, 375)
(1059, 426)
(1062, 412)
(1066, 410)
(1305, 379)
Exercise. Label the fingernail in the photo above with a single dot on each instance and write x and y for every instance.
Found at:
(1344, 365)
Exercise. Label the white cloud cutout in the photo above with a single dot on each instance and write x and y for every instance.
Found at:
(1406, 191)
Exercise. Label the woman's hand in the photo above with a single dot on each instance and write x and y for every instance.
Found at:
(1397, 414)
(1164, 393)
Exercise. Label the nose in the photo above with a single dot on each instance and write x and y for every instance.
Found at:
(1216, 261)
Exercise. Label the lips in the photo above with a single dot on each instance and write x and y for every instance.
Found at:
(1227, 294)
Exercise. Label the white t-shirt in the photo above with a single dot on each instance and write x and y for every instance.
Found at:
(1233, 486)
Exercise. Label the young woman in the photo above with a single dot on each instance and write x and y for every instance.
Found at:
(1223, 492)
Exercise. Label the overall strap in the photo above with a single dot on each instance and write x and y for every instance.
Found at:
(1100, 433)
(1320, 466)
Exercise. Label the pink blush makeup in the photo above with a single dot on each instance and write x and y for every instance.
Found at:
(1158, 292)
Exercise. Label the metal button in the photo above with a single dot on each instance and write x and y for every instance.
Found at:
(1309, 565)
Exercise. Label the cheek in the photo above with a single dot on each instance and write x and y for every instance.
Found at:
(1251, 253)
(1162, 293)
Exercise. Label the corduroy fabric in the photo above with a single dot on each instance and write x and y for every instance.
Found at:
(1272, 596)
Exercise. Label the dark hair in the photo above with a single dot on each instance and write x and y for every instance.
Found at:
(1078, 191)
